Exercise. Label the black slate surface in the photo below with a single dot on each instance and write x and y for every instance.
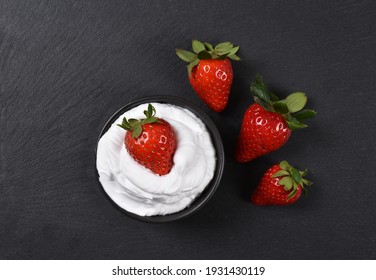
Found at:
(67, 66)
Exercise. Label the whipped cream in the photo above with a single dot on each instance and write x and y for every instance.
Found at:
(140, 191)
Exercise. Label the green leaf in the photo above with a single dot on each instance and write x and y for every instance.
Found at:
(219, 53)
(296, 175)
(285, 165)
(286, 181)
(132, 122)
(287, 188)
(259, 89)
(223, 56)
(204, 55)
(137, 131)
(294, 185)
(125, 123)
(280, 107)
(185, 55)
(123, 127)
(208, 46)
(197, 46)
(234, 50)
(294, 124)
(263, 104)
(307, 182)
(304, 114)
(234, 57)
(224, 46)
(273, 97)
(150, 120)
(191, 65)
(151, 110)
(222, 52)
(280, 173)
(304, 172)
(292, 194)
(296, 101)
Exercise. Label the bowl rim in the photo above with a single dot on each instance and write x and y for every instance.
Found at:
(210, 189)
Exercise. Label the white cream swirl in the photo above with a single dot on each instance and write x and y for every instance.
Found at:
(138, 190)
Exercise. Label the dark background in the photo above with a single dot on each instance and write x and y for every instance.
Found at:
(67, 66)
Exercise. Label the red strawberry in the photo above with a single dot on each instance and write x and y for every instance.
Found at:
(268, 123)
(282, 184)
(151, 141)
(262, 132)
(212, 79)
(210, 71)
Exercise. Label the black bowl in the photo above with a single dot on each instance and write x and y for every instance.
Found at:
(208, 192)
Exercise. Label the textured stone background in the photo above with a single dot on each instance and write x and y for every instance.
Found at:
(67, 66)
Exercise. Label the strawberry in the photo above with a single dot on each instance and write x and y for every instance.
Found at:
(267, 124)
(150, 141)
(210, 71)
(282, 184)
